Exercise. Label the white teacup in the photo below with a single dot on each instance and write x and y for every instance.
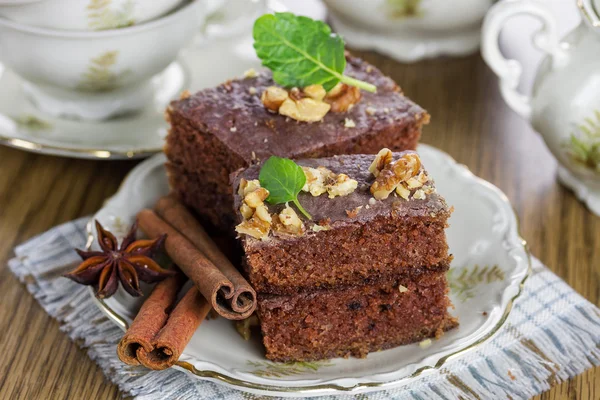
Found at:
(96, 75)
(84, 14)
(410, 30)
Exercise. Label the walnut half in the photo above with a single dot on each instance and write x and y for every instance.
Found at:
(342, 97)
(395, 173)
(306, 105)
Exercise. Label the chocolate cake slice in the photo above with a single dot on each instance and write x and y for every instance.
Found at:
(220, 130)
(355, 320)
(366, 273)
(352, 239)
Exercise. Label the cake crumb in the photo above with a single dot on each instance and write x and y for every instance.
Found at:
(251, 73)
(353, 213)
(348, 123)
(252, 90)
(256, 123)
(425, 343)
(233, 129)
(369, 69)
(484, 313)
(367, 207)
(372, 201)
(402, 289)
(386, 110)
(319, 228)
(253, 155)
(371, 110)
(511, 376)
(266, 140)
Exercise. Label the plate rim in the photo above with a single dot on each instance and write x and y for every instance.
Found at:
(330, 388)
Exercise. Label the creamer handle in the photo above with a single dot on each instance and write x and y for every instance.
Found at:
(509, 71)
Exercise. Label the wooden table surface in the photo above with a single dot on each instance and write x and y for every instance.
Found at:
(469, 121)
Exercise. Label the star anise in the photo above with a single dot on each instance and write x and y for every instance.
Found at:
(129, 263)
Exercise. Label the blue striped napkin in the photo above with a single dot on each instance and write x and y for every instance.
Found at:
(551, 335)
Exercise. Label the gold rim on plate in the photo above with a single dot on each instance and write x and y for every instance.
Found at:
(242, 384)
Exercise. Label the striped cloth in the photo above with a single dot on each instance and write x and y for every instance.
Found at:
(551, 335)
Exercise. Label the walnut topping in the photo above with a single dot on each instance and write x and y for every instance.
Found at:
(395, 173)
(288, 222)
(383, 158)
(371, 110)
(402, 191)
(342, 97)
(306, 109)
(349, 123)
(319, 228)
(254, 227)
(252, 90)
(305, 105)
(257, 220)
(320, 180)
(251, 73)
(316, 92)
(256, 197)
(343, 186)
(273, 97)
(402, 289)
(419, 195)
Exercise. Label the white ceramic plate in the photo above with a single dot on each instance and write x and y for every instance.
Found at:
(490, 264)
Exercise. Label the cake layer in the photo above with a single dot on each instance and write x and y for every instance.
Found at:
(356, 320)
(217, 131)
(358, 239)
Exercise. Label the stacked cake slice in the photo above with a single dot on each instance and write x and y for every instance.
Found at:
(366, 273)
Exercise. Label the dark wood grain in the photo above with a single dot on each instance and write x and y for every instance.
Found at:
(469, 121)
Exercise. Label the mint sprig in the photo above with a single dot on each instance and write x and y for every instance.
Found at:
(284, 179)
(302, 52)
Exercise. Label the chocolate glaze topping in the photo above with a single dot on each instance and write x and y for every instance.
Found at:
(234, 113)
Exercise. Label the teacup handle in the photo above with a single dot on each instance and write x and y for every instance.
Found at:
(509, 71)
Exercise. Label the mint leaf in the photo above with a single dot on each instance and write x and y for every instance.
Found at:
(284, 179)
(301, 52)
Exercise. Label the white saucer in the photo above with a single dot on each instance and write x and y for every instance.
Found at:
(490, 264)
(129, 136)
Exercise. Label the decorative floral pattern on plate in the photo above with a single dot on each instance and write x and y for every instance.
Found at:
(101, 16)
(584, 145)
(32, 123)
(267, 369)
(465, 282)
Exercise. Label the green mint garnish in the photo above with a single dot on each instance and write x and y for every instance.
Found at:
(284, 179)
(302, 52)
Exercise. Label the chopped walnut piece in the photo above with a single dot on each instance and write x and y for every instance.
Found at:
(403, 191)
(255, 227)
(262, 213)
(383, 158)
(413, 183)
(344, 185)
(316, 92)
(184, 95)
(246, 211)
(306, 109)
(342, 97)
(288, 222)
(419, 195)
(256, 198)
(273, 97)
(315, 180)
(402, 289)
(251, 73)
(394, 173)
(247, 187)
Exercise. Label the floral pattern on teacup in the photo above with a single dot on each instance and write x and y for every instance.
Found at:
(583, 147)
(404, 8)
(101, 16)
(100, 76)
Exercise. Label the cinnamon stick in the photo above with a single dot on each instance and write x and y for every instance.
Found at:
(151, 318)
(243, 297)
(170, 342)
(209, 280)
